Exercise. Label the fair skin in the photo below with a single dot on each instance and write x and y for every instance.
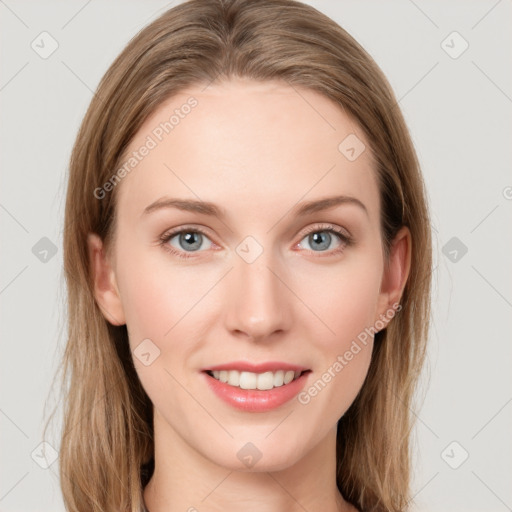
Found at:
(258, 151)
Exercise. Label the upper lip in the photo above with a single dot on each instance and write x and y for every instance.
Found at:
(244, 366)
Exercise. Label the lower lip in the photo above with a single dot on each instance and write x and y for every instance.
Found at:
(256, 400)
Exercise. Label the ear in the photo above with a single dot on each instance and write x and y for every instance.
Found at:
(395, 275)
(106, 292)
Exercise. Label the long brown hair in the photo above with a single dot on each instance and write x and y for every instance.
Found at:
(107, 445)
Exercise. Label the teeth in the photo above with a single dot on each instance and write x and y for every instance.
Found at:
(234, 378)
(262, 381)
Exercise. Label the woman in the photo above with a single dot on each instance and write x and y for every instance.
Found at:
(247, 254)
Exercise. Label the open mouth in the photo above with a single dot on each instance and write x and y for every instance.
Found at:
(257, 381)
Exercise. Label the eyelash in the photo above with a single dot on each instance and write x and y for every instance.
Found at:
(345, 239)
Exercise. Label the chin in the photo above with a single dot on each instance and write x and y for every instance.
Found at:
(251, 459)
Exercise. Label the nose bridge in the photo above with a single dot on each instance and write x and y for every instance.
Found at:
(258, 306)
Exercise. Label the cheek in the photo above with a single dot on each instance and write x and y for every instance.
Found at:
(346, 301)
(163, 314)
(344, 297)
(156, 295)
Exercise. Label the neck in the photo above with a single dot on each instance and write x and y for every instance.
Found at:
(185, 480)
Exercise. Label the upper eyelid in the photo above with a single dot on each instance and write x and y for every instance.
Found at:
(327, 227)
(171, 233)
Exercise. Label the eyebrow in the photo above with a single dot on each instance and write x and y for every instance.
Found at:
(207, 208)
(327, 203)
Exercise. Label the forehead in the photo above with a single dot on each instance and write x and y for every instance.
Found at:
(250, 146)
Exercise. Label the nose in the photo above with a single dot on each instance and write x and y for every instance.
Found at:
(259, 303)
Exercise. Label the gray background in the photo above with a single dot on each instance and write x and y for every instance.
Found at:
(459, 113)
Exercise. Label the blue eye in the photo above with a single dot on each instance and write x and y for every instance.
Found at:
(187, 240)
(320, 240)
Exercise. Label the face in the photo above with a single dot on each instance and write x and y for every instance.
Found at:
(263, 273)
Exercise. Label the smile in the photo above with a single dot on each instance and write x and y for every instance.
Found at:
(249, 380)
(256, 387)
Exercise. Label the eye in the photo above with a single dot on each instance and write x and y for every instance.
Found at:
(326, 239)
(185, 240)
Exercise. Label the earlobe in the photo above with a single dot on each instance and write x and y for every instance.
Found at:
(396, 273)
(106, 292)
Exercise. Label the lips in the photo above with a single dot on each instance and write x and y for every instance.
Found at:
(256, 387)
